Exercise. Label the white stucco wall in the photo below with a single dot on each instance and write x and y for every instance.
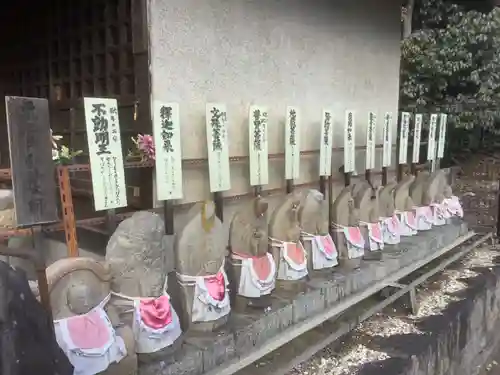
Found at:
(314, 54)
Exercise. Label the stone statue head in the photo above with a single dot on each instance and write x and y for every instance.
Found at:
(248, 229)
(137, 257)
(344, 211)
(418, 186)
(367, 202)
(284, 223)
(402, 199)
(313, 213)
(433, 190)
(386, 200)
(200, 247)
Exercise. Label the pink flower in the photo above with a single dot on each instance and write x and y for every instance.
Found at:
(146, 146)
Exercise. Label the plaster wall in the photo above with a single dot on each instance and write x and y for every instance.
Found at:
(313, 54)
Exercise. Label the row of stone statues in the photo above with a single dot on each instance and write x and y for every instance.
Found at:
(135, 305)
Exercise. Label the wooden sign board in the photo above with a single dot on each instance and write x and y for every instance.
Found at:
(32, 167)
(387, 142)
(292, 143)
(442, 135)
(168, 157)
(105, 153)
(403, 137)
(349, 142)
(417, 131)
(326, 144)
(258, 147)
(431, 144)
(370, 140)
(218, 147)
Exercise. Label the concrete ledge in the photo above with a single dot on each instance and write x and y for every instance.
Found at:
(248, 333)
(457, 342)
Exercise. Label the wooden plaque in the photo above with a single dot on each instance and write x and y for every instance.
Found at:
(32, 168)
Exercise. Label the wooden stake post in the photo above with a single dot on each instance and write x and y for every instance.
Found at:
(168, 159)
(218, 154)
(349, 146)
(258, 148)
(404, 130)
(370, 146)
(443, 122)
(417, 131)
(33, 178)
(387, 147)
(431, 144)
(292, 147)
(325, 150)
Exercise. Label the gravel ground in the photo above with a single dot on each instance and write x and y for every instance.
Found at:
(345, 357)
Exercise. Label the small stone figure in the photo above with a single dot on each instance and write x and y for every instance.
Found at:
(200, 253)
(346, 231)
(288, 252)
(252, 268)
(404, 207)
(320, 248)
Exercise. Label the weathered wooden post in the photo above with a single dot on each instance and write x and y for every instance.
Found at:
(168, 159)
(258, 148)
(325, 150)
(404, 130)
(431, 143)
(370, 146)
(218, 154)
(443, 122)
(349, 146)
(106, 157)
(417, 131)
(386, 147)
(33, 176)
(292, 147)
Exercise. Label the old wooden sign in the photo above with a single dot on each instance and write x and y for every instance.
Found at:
(33, 176)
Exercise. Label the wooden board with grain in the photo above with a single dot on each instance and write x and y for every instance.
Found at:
(33, 176)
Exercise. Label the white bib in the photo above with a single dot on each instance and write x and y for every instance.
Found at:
(293, 260)
(391, 230)
(354, 241)
(90, 341)
(211, 296)
(453, 206)
(375, 237)
(323, 250)
(257, 275)
(408, 224)
(439, 214)
(424, 217)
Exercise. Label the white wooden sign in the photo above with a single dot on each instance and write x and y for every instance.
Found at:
(442, 134)
(218, 147)
(431, 144)
(350, 142)
(387, 143)
(105, 153)
(326, 144)
(370, 140)
(292, 143)
(168, 156)
(258, 147)
(417, 131)
(403, 137)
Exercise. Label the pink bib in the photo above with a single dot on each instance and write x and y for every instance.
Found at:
(156, 313)
(295, 252)
(376, 233)
(328, 245)
(262, 267)
(410, 219)
(216, 286)
(89, 331)
(353, 235)
(393, 224)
